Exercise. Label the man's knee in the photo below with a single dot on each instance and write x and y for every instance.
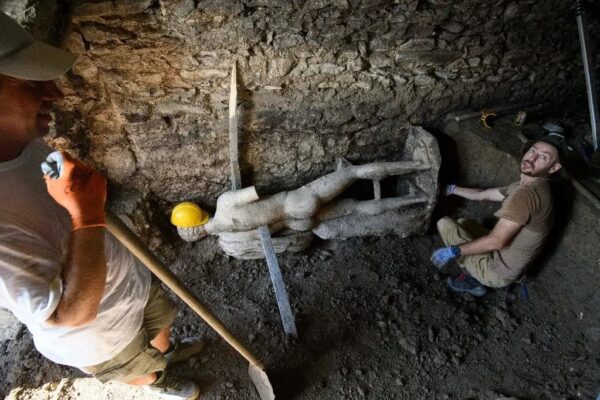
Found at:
(162, 341)
(443, 223)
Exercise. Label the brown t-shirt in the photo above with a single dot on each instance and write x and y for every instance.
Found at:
(530, 206)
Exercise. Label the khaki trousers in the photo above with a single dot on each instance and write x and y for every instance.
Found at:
(479, 266)
(140, 358)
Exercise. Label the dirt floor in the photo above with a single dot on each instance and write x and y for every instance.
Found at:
(375, 321)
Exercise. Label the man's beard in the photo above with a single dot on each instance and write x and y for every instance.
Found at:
(533, 175)
(538, 174)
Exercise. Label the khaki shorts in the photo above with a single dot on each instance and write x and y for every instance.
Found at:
(139, 358)
(479, 266)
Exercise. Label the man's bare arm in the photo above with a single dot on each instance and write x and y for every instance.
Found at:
(84, 279)
(500, 237)
(82, 192)
(479, 194)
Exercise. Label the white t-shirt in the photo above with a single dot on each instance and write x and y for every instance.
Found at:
(34, 240)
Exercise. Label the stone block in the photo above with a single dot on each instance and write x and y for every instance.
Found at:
(424, 80)
(279, 67)
(470, 79)
(321, 4)
(457, 65)
(102, 34)
(9, 326)
(380, 60)
(511, 10)
(74, 43)
(453, 27)
(446, 75)
(379, 44)
(257, 66)
(417, 31)
(410, 5)
(428, 57)
(218, 9)
(110, 8)
(515, 57)
(287, 40)
(476, 51)
(179, 8)
(400, 80)
(247, 245)
(474, 61)
(187, 61)
(418, 44)
(494, 78)
(200, 74)
(85, 68)
(468, 41)
(300, 68)
(348, 52)
(331, 69)
(337, 117)
(448, 36)
(356, 65)
(119, 162)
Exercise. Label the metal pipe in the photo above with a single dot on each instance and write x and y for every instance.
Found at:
(587, 68)
(376, 189)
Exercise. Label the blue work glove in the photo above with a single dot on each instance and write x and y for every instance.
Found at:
(53, 165)
(449, 190)
(443, 256)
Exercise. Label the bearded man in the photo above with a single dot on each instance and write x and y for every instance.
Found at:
(501, 256)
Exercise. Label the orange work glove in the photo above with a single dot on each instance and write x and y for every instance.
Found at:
(80, 189)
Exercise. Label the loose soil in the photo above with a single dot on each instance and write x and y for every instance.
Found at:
(375, 321)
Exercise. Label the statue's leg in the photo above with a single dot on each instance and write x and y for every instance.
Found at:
(331, 185)
(380, 170)
(305, 201)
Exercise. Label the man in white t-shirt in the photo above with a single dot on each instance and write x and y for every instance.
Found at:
(85, 299)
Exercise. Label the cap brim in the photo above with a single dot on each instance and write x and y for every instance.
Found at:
(559, 149)
(37, 62)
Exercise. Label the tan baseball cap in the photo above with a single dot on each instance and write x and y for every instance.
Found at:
(23, 57)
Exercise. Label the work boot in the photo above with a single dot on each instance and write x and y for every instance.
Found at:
(171, 387)
(467, 284)
(180, 351)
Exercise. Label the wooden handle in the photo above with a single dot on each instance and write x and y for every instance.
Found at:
(142, 253)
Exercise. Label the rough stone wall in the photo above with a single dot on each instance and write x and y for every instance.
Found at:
(44, 19)
(147, 99)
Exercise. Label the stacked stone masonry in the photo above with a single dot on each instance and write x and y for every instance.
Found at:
(147, 100)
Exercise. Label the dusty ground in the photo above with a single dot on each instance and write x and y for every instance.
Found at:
(376, 321)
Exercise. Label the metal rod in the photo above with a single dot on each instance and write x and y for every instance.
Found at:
(376, 189)
(464, 115)
(587, 69)
(234, 157)
(283, 302)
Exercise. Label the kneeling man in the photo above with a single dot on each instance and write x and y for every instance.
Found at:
(500, 257)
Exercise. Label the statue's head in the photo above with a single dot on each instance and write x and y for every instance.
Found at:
(190, 221)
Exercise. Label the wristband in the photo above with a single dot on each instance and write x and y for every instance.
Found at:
(77, 227)
(88, 220)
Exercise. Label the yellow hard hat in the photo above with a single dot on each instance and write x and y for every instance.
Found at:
(188, 215)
